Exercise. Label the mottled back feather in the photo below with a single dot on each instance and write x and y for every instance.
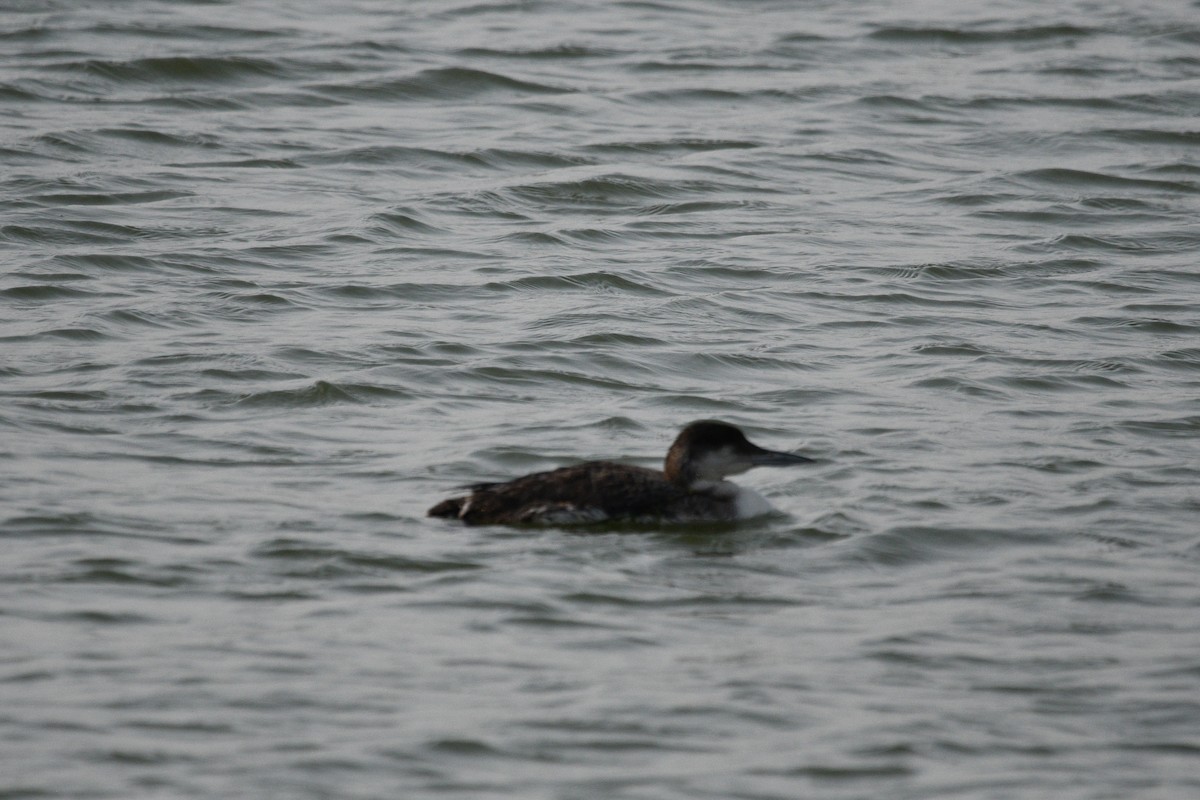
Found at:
(593, 491)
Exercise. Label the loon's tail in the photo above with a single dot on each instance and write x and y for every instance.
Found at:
(449, 509)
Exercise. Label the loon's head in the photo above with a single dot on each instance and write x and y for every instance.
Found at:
(706, 452)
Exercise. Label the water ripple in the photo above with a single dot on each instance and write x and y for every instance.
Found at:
(280, 280)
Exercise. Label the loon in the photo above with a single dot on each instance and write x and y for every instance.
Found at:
(690, 488)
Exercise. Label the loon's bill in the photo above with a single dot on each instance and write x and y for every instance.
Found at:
(690, 488)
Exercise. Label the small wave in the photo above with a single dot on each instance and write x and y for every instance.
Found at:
(70, 232)
(179, 30)
(214, 101)
(1052, 267)
(146, 136)
(733, 364)
(935, 35)
(12, 93)
(104, 263)
(441, 84)
(705, 97)
(905, 545)
(534, 238)
(946, 272)
(77, 523)
(507, 158)
(109, 198)
(951, 384)
(892, 101)
(399, 222)
(1060, 176)
(95, 617)
(70, 334)
(615, 191)
(601, 190)
(565, 51)
(350, 561)
(248, 374)
(1182, 427)
(671, 146)
(1147, 324)
(191, 69)
(697, 207)
(855, 771)
(68, 396)
(422, 159)
(41, 293)
(590, 281)
(390, 294)
(602, 237)
(119, 571)
(321, 393)
(1187, 358)
(1027, 384)
(1166, 103)
(943, 349)
(1183, 138)
(124, 318)
(391, 154)
(1133, 245)
(264, 300)
(549, 380)
(619, 340)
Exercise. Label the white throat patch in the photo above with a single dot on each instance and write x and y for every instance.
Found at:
(716, 465)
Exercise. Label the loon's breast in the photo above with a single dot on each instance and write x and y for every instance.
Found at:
(599, 491)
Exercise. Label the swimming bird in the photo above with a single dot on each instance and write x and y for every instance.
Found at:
(690, 488)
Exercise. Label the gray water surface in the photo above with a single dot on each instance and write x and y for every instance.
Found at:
(277, 277)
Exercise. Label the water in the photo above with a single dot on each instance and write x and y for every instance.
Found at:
(277, 277)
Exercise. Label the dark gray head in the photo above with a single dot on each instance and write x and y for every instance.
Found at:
(709, 451)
